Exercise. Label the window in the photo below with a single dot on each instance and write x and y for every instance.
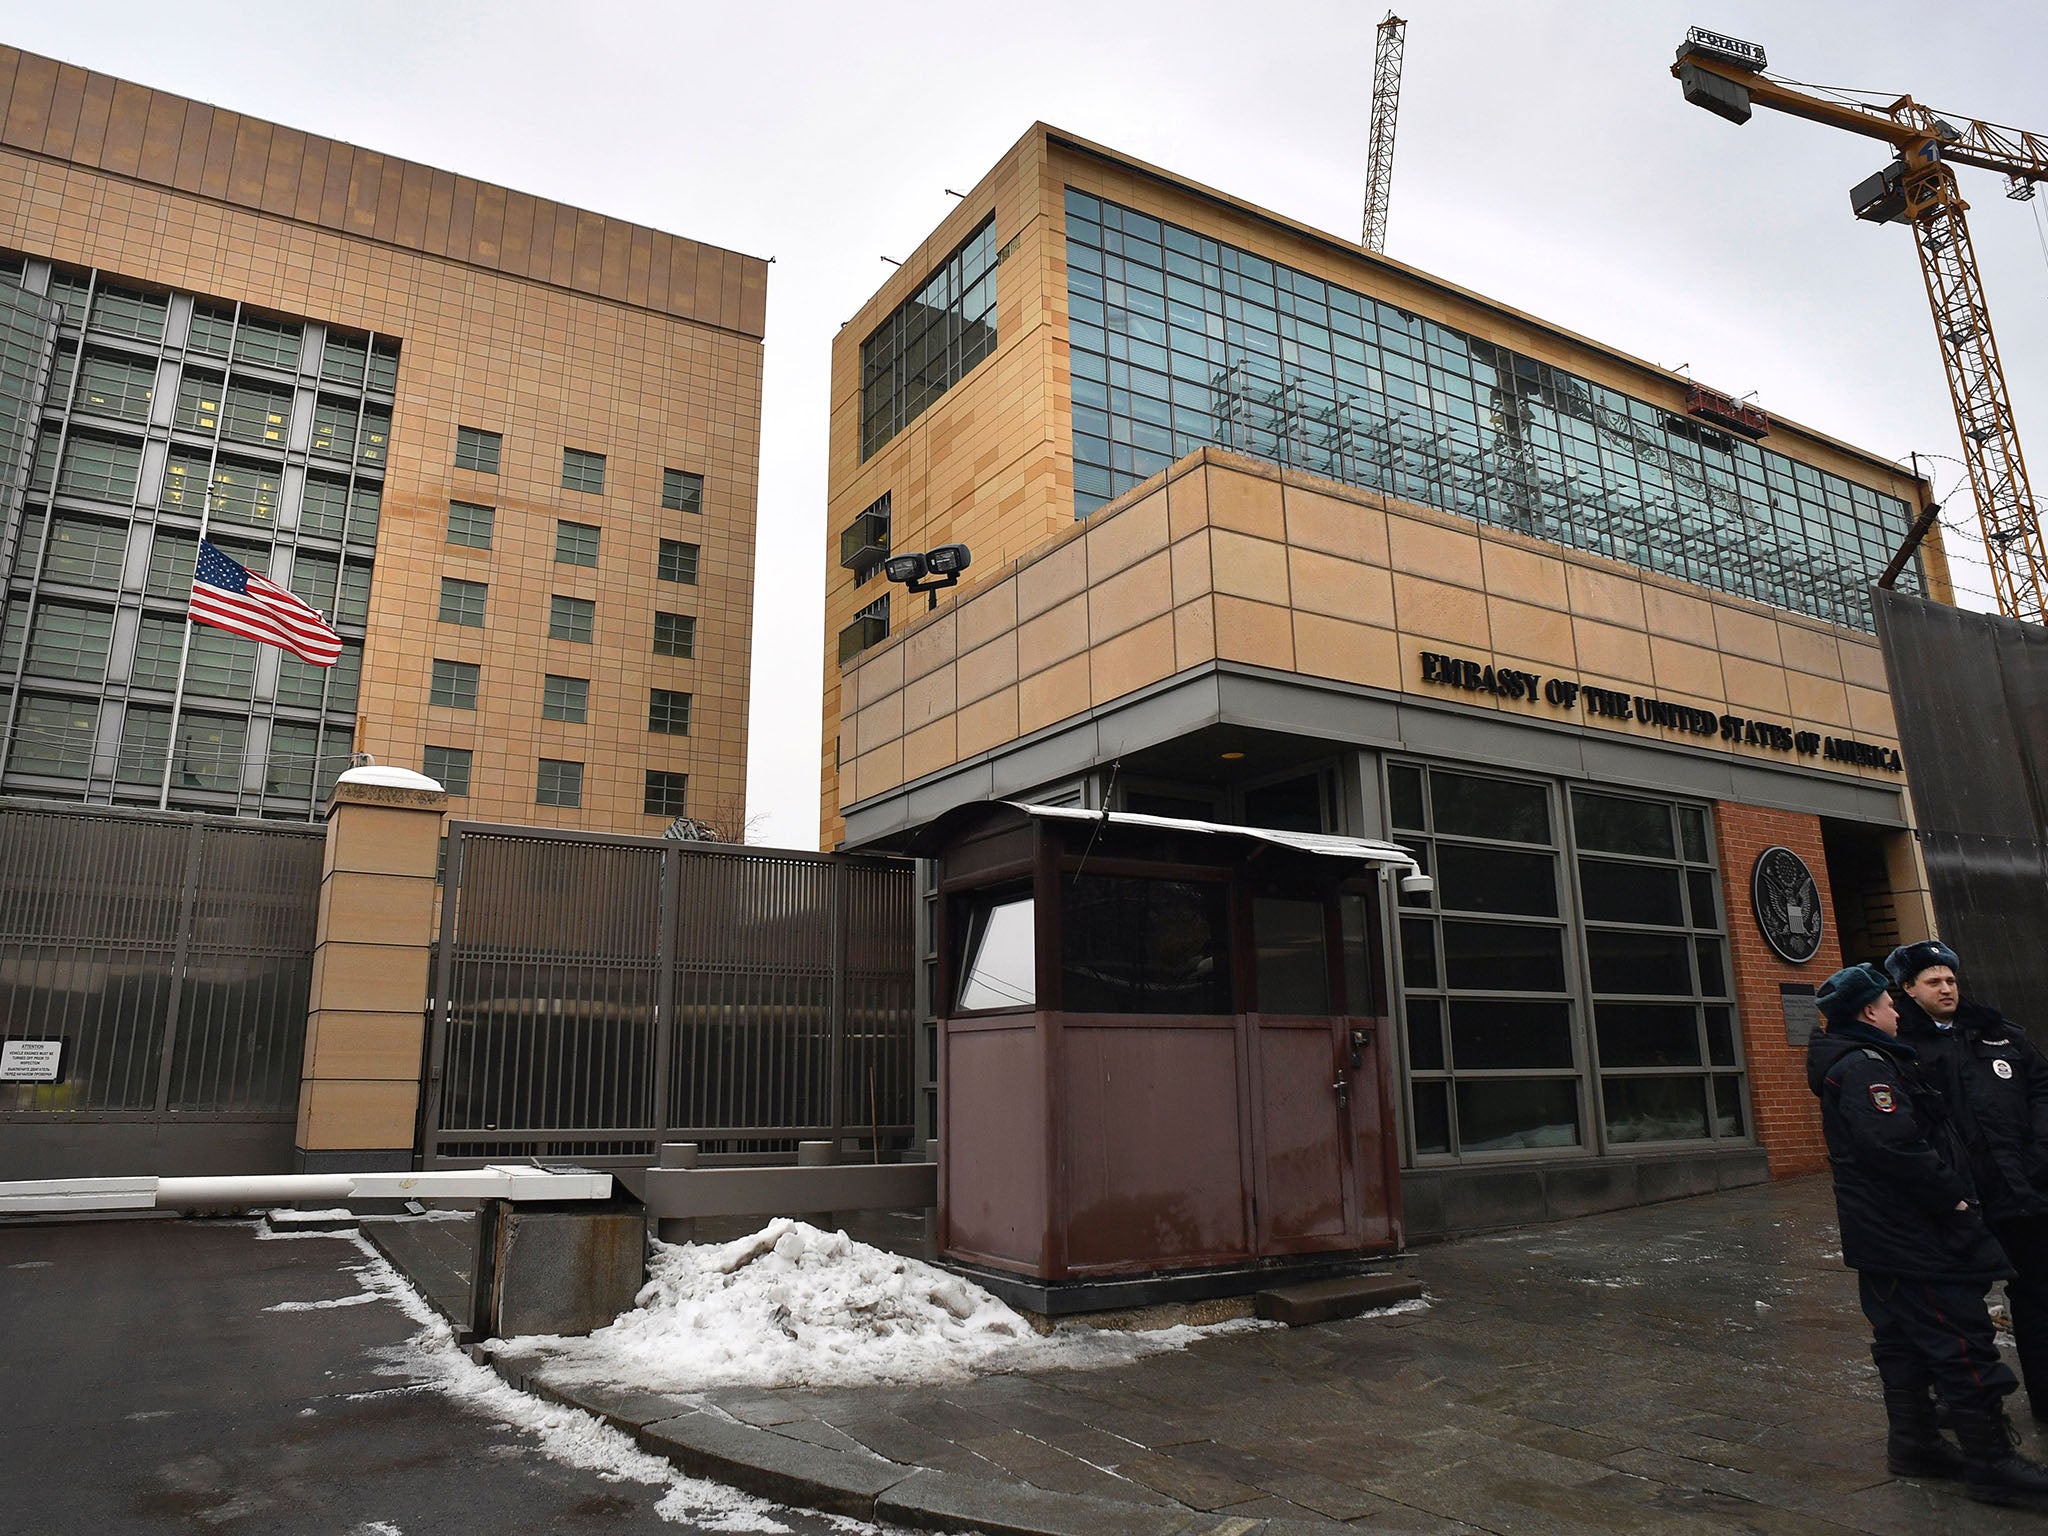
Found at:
(668, 712)
(146, 738)
(173, 556)
(334, 427)
(246, 493)
(682, 492)
(931, 342)
(384, 366)
(869, 627)
(667, 794)
(288, 772)
(675, 634)
(256, 413)
(1493, 1064)
(342, 359)
(323, 509)
(220, 665)
(69, 640)
(98, 468)
(115, 386)
(315, 579)
(470, 524)
(198, 408)
(352, 605)
(1132, 945)
(449, 767)
(582, 471)
(575, 544)
(565, 698)
(365, 505)
(209, 752)
(454, 684)
(376, 441)
(70, 289)
(54, 736)
(571, 618)
(677, 562)
(129, 313)
(82, 550)
(213, 330)
(462, 602)
(477, 449)
(158, 643)
(559, 783)
(271, 343)
(864, 542)
(1657, 970)
(999, 960)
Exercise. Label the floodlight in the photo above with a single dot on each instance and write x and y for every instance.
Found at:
(949, 559)
(904, 568)
(928, 572)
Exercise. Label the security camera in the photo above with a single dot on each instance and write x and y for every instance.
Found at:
(1417, 884)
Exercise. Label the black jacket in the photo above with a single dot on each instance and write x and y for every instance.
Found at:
(1899, 1165)
(1996, 1085)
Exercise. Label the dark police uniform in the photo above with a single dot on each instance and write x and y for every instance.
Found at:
(1996, 1086)
(1900, 1172)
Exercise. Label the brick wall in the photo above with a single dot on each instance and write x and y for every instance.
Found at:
(1787, 1114)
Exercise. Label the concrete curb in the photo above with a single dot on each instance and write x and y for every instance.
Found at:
(703, 1442)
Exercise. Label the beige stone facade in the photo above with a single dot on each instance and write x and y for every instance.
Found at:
(991, 464)
(553, 327)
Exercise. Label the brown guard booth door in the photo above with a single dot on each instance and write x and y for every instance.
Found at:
(1318, 1099)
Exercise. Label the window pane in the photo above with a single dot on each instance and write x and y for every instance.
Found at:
(146, 738)
(559, 783)
(55, 736)
(1498, 1115)
(575, 544)
(1495, 880)
(998, 966)
(1648, 1035)
(1728, 1117)
(1655, 1108)
(682, 492)
(1496, 1036)
(582, 471)
(675, 634)
(1499, 809)
(571, 618)
(668, 712)
(323, 509)
(470, 524)
(1425, 1034)
(1712, 982)
(1404, 797)
(449, 766)
(1692, 833)
(462, 602)
(1630, 893)
(1292, 942)
(478, 450)
(86, 552)
(1613, 825)
(1418, 952)
(677, 562)
(1503, 957)
(1720, 1037)
(565, 698)
(1638, 962)
(1145, 946)
(1706, 910)
(667, 794)
(1432, 1118)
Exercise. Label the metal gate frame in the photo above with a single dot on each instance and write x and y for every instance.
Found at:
(858, 891)
(214, 918)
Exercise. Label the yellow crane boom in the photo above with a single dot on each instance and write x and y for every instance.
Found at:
(1725, 76)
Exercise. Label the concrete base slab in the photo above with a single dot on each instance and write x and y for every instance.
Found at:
(759, 1461)
(946, 1501)
(1327, 1301)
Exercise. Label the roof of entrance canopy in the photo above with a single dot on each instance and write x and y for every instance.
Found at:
(926, 839)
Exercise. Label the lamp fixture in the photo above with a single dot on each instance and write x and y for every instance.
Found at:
(930, 572)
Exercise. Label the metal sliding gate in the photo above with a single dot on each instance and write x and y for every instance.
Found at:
(169, 956)
(596, 995)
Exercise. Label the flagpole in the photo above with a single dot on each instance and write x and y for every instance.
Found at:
(163, 799)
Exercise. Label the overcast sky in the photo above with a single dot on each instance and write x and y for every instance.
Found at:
(1545, 159)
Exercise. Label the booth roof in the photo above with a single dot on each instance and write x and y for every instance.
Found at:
(1327, 844)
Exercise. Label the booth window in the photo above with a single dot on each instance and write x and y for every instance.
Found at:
(1130, 945)
(998, 964)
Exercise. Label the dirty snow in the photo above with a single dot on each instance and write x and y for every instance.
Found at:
(795, 1306)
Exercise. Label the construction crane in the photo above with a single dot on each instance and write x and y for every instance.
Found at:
(1386, 104)
(1725, 76)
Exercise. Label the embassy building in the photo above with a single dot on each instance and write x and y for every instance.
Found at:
(1269, 530)
(508, 447)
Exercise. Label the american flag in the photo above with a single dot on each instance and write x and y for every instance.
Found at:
(230, 596)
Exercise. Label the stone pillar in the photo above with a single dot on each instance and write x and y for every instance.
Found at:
(359, 1086)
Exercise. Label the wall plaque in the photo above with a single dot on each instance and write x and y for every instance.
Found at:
(1801, 1013)
(1786, 900)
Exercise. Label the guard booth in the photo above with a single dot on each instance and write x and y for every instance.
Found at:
(1165, 1061)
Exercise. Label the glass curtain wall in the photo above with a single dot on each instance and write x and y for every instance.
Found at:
(162, 406)
(1181, 342)
(1551, 911)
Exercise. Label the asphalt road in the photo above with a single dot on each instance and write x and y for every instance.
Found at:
(145, 1387)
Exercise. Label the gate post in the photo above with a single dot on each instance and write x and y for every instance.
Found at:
(366, 1014)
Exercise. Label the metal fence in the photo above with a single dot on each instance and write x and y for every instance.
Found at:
(171, 954)
(1971, 694)
(597, 995)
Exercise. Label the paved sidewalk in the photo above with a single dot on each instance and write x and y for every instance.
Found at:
(1693, 1367)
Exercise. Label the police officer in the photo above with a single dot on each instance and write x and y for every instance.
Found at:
(1912, 1230)
(1996, 1084)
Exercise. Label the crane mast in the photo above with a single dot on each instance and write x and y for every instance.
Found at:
(1725, 76)
(1386, 105)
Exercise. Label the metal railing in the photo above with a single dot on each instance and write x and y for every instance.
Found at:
(597, 995)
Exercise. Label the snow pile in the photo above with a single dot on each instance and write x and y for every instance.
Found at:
(794, 1306)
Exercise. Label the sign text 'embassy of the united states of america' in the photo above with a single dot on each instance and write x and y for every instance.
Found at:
(1618, 704)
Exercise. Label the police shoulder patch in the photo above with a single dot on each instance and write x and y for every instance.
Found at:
(1883, 1098)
